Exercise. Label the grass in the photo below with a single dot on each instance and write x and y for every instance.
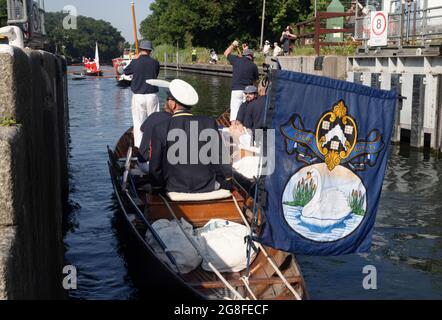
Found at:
(7, 122)
(356, 202)
(303, 193)
(341, 50)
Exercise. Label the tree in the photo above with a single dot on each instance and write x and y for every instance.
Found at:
(215, 23)
(3, 13)
(76, 43)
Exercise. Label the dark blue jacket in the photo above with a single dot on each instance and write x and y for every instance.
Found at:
(244, 73)
(190, 175)
(146, 129)
(142, 69)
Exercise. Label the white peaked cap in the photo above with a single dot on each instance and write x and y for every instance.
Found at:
(182, 91)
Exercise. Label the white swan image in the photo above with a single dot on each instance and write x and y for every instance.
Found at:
(327, 207)
(336, 132)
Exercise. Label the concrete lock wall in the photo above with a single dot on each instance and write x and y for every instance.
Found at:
(33, 173)
(328, 66)
(416, 78)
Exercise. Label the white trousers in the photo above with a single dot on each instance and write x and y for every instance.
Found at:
(143, 105)
(235, 102)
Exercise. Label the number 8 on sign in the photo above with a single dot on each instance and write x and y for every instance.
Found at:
(379, 24)
(378, 34)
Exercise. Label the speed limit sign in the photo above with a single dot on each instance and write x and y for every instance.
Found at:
(378, 29)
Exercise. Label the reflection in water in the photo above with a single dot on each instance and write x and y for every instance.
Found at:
(407, 243)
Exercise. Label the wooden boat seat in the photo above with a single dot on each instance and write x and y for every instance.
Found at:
(206, 196)
(198, 213)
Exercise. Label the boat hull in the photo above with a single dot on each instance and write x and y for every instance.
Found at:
(94, 74)
(152, 277)
(153, 274)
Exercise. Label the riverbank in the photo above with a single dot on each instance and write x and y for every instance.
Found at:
(328, 66)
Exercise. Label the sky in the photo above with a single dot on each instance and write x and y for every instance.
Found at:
(117, 12)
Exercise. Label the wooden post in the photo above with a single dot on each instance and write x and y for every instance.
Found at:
(177, 60)
(134, 19)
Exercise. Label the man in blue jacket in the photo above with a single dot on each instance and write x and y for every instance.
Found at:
(188, 154)
(245, 73)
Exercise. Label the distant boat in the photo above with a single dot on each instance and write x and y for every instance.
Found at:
(92, 67)
(78, 77)
(119, 65)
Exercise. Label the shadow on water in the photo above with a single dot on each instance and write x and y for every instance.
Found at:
(407, 243)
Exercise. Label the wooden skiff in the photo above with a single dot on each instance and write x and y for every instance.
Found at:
(273, 274)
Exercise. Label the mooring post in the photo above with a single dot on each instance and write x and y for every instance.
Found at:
(417, 111)
(397, 87)
(439, 117)
(177, 60)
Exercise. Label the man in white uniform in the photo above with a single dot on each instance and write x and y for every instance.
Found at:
(144, 100)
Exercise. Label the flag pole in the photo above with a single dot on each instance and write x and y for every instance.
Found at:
(134, 19)
(262, 22)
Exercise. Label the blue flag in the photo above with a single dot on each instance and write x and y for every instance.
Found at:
(331, 148)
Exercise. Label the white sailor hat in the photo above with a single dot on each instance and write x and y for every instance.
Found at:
(179, 89)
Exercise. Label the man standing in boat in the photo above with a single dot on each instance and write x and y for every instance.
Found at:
(245, 73)
(176, 163)
(144, 100)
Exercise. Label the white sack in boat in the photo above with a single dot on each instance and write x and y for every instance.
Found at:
(222, 243)
(247, 166)
(177, 244)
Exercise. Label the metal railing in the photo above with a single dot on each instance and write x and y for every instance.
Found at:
(411, 23)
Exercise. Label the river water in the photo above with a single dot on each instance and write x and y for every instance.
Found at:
(407, 242)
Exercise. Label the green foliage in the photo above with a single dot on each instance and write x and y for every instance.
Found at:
(304, 51)
(75, 44)
(3, 13)
(356, 202)
(7, 122)
(215, 23)
(185, 55)
(344, 50)
(303, 193)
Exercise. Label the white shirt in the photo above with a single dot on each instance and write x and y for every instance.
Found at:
(277, 51)
(266, 49)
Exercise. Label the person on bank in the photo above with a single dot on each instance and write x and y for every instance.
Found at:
(277, 50)
(285, 39)
(245, 73)
(144, 100)
(266, 48)
(146, 128)
(194, 55)
(213, 57)
(187, 172)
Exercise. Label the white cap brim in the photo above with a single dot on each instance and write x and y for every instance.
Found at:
(158, 83)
